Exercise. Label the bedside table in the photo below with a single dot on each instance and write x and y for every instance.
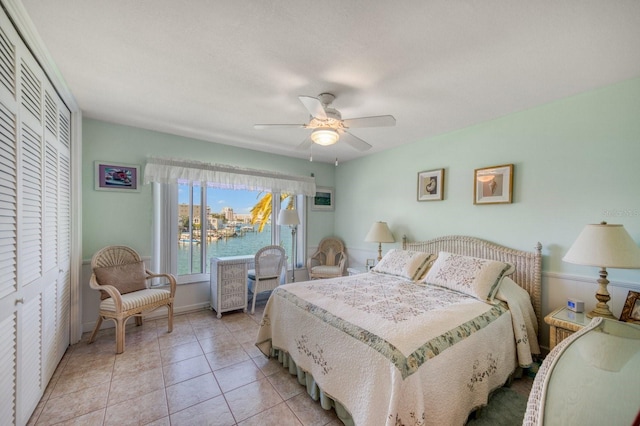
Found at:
(563, 323)
(355, 271)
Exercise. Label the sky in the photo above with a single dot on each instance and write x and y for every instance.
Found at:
(240, 201)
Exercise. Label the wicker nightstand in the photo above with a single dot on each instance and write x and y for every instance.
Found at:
(563, 323)
(355, 271)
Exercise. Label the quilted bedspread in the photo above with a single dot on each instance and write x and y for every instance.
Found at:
(391, 351)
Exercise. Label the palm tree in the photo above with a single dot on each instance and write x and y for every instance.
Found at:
(261, 211)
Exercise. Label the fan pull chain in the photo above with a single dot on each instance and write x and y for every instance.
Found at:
(336, 161)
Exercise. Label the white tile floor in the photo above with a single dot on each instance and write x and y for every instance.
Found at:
(206, 372)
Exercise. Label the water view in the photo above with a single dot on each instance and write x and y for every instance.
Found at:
(246, 243)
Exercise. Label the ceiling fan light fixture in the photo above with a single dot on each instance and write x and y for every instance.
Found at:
(325, 136)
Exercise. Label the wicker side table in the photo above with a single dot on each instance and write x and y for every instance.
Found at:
(229, 283)
(563, 323)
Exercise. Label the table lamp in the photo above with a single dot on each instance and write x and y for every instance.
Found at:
(606, 246)
(379, 233)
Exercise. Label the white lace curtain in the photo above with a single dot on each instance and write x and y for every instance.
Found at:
(162, 170)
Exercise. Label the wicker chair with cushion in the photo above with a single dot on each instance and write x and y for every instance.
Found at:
(329, 260)
(269, 262)
(120, 276)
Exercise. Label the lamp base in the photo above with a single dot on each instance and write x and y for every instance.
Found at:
(602, 295)
(604, 313)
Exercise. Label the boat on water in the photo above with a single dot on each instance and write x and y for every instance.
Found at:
(188, 241)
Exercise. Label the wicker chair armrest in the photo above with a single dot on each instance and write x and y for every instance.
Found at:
(342, 261)
(314, 260)
(170, 277)
(109, 289)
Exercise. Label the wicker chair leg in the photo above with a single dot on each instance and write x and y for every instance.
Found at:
(170, 317)
(120, 335)
(138, 320)
(255, 296)
(95, 330)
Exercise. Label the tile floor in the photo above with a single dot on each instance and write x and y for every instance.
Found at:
(207, 372)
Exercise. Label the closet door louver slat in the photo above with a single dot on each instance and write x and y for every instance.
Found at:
(50, 255)
(30, 355)
(49, 334)
(8, 333)
(50, 115)
(7, 63)
(8, 202)
(31, 203)
(31, 91)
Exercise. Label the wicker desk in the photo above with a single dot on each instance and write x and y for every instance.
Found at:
(563, 323)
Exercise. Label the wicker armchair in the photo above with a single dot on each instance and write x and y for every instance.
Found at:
(269, 263)
(120, 276)
(328, 261)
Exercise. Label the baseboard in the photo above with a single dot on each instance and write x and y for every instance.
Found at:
(158, 314)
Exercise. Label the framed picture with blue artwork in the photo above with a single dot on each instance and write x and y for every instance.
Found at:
(115, 176)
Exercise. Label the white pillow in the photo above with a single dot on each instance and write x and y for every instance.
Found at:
(404, 263)
(474, 276)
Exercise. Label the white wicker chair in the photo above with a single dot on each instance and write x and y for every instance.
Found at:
(328, 261)
(124, 285)
(269, 263)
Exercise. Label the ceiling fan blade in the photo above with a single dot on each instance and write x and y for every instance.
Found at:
(314, 106)
(354, 141)
(305, 145)
(269, 126)
(376, 121)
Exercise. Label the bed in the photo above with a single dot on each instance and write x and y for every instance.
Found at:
(389, 347)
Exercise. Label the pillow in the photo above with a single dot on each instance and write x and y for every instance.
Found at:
(126, 278)
(404, 263)
(476, 277)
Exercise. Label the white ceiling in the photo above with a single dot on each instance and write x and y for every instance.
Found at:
(211, 69)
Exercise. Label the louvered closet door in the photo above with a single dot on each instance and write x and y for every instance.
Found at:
(9, 293)
(35, 213)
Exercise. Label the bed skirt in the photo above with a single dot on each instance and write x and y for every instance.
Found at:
(306, 379)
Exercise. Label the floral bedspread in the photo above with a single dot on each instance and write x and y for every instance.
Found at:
(391, 351)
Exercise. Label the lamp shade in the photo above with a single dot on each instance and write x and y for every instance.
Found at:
(288, 217)
(606, 246)
(379, 233)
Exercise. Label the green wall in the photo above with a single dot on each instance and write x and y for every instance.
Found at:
(126, 218)
(576, 162)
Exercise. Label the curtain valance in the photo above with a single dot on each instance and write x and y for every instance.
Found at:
(163, 170)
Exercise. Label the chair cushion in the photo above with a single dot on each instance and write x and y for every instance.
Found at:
(126, 278)
(137, 299)
(326, 270)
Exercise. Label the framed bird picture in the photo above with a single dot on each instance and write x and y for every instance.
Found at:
(431, 185)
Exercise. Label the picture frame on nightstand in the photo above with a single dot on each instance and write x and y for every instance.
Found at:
(631, 308)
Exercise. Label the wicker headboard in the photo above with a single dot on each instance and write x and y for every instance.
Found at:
(528, 273)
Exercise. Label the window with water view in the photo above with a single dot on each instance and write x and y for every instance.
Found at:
(216, 222)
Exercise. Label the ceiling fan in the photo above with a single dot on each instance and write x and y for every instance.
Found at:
(328, 125)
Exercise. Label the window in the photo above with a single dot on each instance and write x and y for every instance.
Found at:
(184, 196)
(213, 222)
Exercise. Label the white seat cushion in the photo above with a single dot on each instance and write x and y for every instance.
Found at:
(326, 270)
(136, 299)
